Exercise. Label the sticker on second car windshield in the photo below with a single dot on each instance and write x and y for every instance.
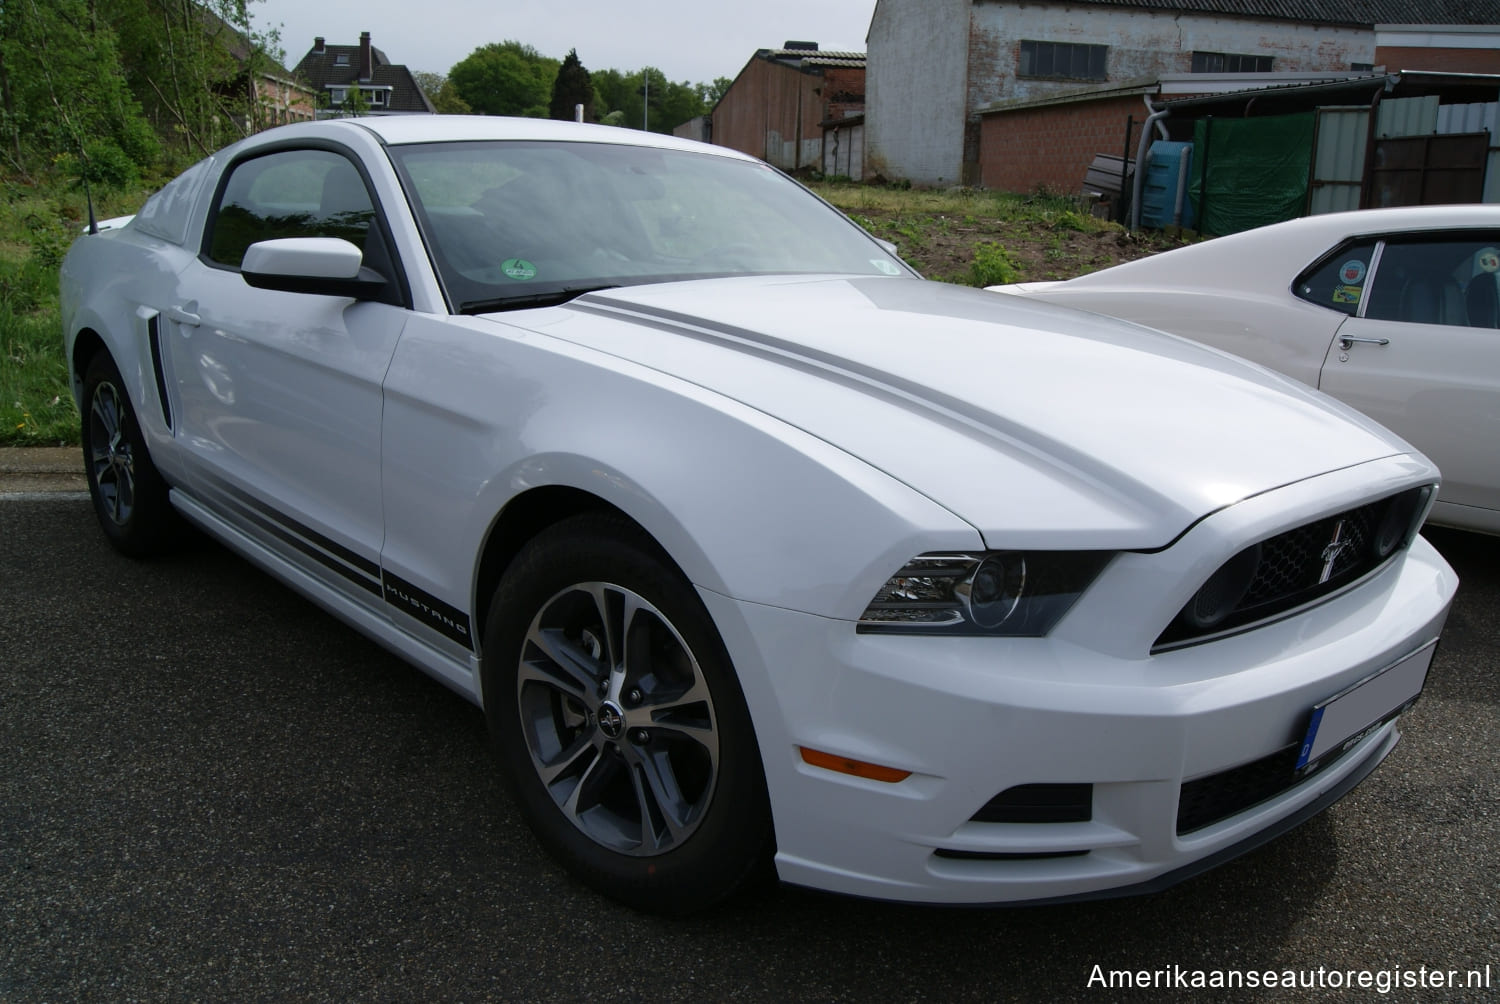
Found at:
(1353, 272)
(1346, 294)
(518, 268)
(1488, 260)
(888, 267)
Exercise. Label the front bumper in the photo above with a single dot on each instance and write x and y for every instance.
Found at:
(972, 717)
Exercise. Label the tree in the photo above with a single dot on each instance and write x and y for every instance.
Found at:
(355, 105)
(63, 93)
(572, 87)
(507, 78)
(671, 104)
(679, 102)
(441, 92)
(710, 94)
(193, 65)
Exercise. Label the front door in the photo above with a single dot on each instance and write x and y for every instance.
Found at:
(280, 393)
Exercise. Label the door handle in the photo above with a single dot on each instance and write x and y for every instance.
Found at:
(1346, 342)
(182, 316)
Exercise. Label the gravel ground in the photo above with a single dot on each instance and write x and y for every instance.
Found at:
(212, 791)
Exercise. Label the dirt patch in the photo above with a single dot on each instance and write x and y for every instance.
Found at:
(976, 250)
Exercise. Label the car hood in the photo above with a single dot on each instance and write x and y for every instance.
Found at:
(1037, 424)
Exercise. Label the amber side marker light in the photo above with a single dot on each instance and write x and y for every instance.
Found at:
(844, 765)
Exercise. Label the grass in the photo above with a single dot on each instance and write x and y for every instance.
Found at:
(965, 236)
(37, 224)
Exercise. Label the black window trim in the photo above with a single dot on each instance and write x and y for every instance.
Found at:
(1227, 56)
(1103, 51)
(401, 287)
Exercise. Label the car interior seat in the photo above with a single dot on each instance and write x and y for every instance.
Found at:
(1431, 299)
(1482, 300)
(1419, 301)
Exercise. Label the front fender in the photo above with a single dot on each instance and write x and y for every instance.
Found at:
(746, 506)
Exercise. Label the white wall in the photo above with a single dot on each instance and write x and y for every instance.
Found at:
(1141, 44)
(914, 90)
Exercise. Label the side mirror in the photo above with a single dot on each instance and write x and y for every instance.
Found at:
(329, 266)
(890, 248)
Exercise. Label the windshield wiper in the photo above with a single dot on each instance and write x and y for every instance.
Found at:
(521, 301)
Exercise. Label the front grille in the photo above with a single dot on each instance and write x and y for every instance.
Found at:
(1206, 800)
(1292, 569)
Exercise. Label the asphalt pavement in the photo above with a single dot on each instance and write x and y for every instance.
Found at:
(212, 791)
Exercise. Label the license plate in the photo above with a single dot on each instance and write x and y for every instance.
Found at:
(1347, 717)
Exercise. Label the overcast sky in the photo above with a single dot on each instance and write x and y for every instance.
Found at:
(688, 40)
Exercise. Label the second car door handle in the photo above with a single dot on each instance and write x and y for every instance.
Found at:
(183, 316)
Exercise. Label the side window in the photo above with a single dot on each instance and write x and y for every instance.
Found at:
(294, 193)
(1455, 282)
(1339, 281)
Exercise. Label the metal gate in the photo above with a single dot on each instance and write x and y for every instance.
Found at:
(1427, 170)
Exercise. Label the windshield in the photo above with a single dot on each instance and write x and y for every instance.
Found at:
(521, 223)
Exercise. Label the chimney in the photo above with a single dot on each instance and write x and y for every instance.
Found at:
(318, 45)
(366, 68)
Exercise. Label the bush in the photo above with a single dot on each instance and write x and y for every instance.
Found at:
(105, 165)
(993, 266)
(138, 141)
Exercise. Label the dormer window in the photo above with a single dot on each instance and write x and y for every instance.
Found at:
(341, 59)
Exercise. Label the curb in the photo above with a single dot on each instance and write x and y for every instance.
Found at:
(31, 471)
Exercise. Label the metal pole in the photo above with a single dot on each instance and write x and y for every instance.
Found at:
(646, 106)
(1124, 171)
(1208, 135)
(578, 113)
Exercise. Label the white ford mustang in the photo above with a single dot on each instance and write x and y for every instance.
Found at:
(754, 546)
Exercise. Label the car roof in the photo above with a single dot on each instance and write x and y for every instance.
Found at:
(400, 130)
(1278, 252)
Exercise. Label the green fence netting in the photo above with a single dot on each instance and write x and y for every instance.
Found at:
(1257, 171)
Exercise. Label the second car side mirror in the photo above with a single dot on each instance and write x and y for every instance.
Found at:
(327, 265)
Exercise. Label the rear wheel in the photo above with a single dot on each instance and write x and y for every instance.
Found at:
(129, 495)
(620, 722)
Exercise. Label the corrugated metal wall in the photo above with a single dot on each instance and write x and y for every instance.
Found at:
(844, 151)
(1343, 131)
(772, 111)
(1407, 117)
(1339, 158)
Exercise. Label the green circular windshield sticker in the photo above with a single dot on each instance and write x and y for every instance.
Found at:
(888, 267)
(518, 268)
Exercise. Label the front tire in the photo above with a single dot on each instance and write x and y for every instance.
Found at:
(620, 723)
(129, 494)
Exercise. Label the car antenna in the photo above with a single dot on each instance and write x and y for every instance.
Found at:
(88, 197)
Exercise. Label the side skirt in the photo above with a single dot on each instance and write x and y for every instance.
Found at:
(461, 676)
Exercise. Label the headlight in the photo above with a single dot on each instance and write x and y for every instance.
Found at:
(1019, 594)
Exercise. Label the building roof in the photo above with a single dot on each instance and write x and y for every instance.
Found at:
(338, 66)
(1368, 12)
(814, 57)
